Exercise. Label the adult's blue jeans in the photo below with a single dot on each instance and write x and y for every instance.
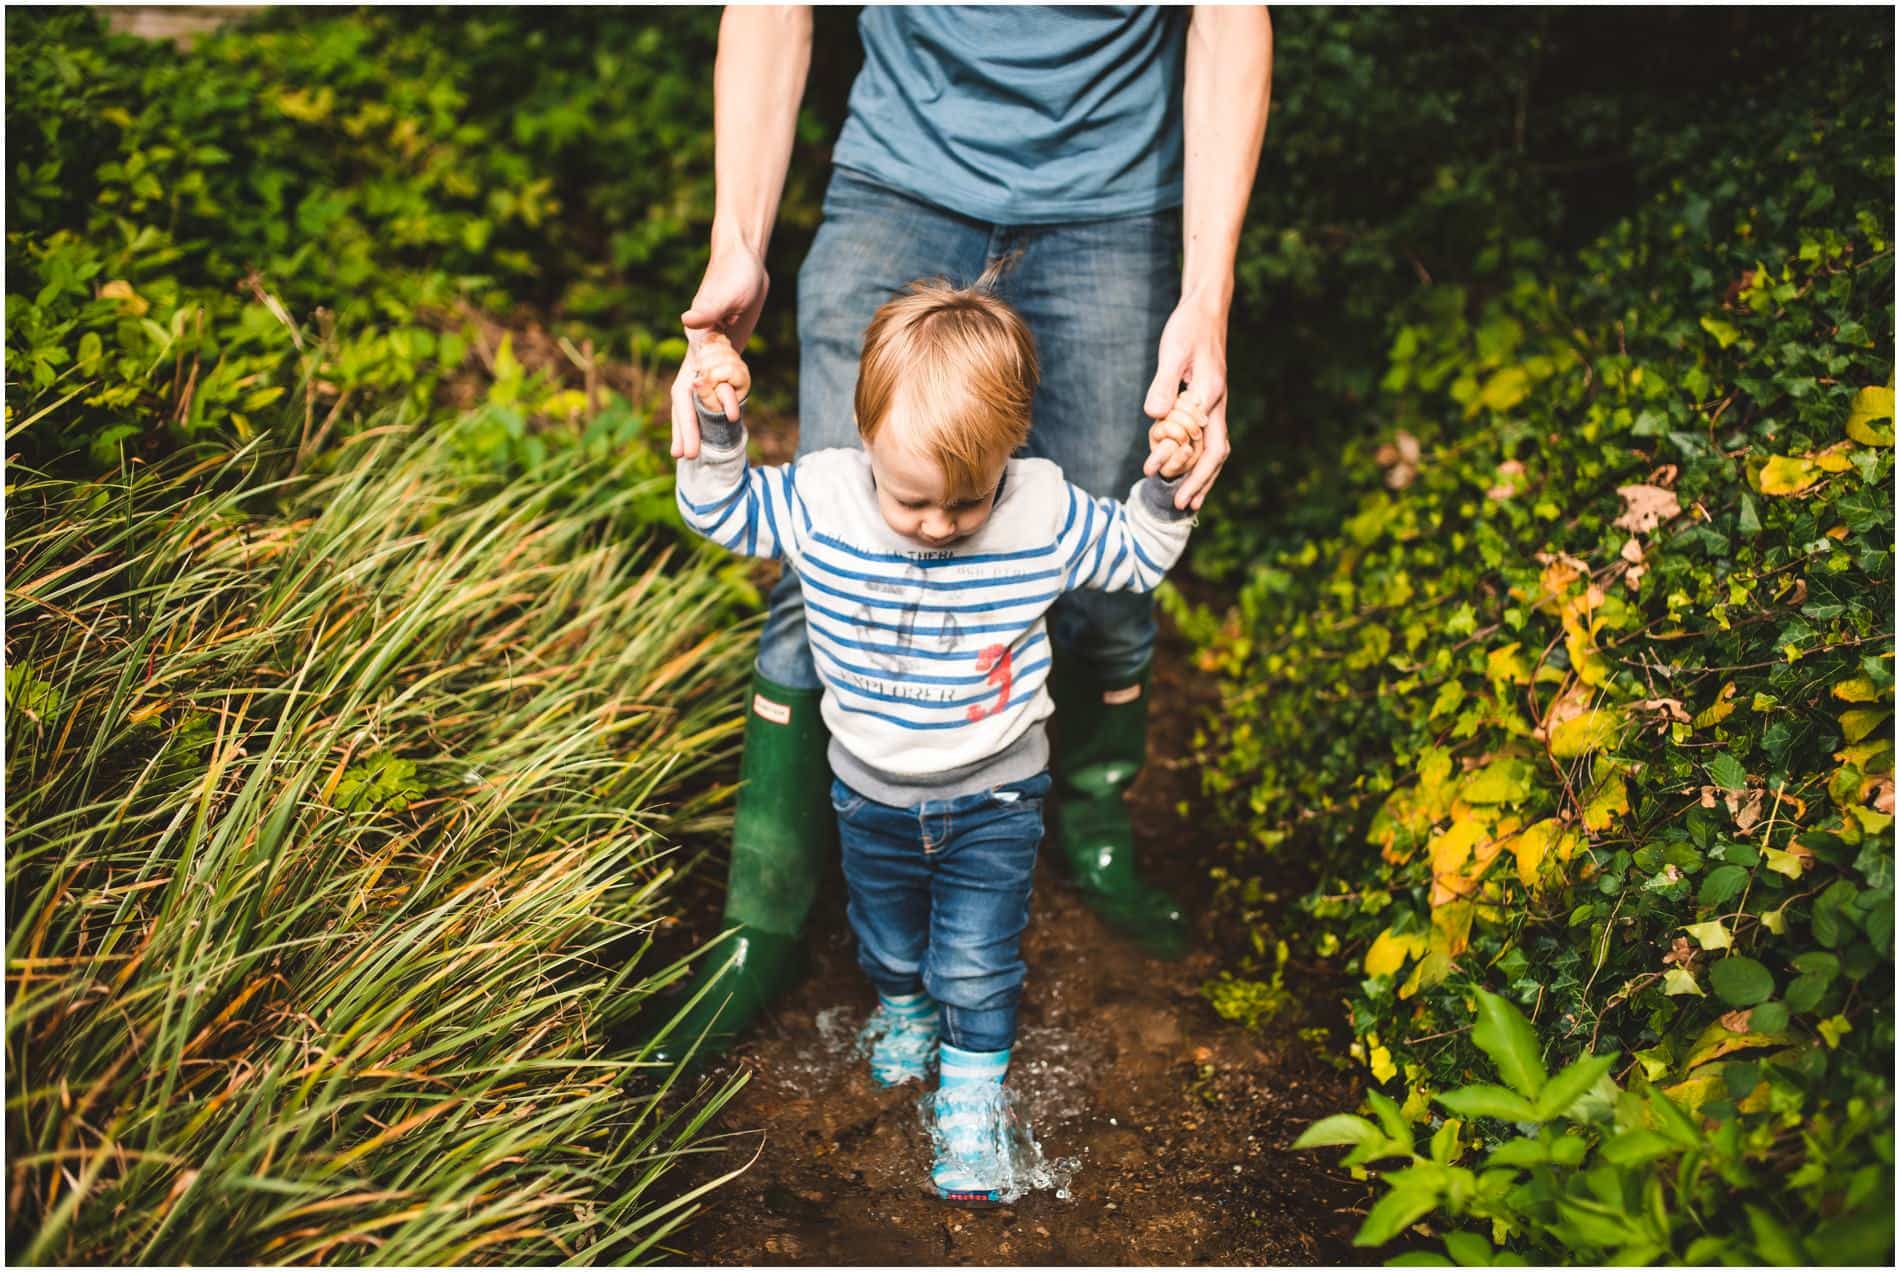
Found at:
(939, 898)
(1095, 293)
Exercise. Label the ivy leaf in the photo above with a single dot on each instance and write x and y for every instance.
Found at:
(1584, 733)
(1713, 935)
(1727, 772)
(1503, 1034)
(1389, 952)
(1740, 981)
(1500, 782)
(1788, 475)
(1724, 332)
(1678, 980)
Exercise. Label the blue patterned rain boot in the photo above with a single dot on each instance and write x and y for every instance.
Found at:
(901, 1039)
(970, 1129)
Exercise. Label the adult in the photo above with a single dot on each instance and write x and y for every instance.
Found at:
(1110, 151)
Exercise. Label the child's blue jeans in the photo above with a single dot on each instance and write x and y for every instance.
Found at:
(939, 898)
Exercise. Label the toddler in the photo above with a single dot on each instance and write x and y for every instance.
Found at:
(927, 560)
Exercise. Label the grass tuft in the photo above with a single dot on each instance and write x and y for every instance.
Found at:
(341, 809)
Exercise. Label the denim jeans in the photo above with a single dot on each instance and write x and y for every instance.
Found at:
(1095, 293)
(939, 898)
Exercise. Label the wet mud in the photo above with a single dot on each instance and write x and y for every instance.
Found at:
(1164, 1128)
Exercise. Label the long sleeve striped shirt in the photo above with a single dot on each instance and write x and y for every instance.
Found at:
(934, 662)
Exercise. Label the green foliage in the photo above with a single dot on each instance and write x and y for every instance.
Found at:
(1594, 1173)
(341, 807)
(285, 225)
(1576, 685)
(1418, 148)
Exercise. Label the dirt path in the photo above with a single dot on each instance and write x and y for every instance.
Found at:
(1168, 1124)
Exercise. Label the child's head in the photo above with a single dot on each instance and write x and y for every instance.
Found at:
(944, 388)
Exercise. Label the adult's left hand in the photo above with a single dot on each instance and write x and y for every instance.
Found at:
(1194, 350)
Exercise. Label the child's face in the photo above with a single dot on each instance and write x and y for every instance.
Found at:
(911, 494)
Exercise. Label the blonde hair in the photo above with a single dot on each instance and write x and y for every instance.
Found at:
(961, 365)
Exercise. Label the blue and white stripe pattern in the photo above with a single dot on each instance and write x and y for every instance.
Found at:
(901, 1038)
(970, 1127)
(931, 659)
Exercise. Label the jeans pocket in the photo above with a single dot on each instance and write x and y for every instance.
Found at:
(845, 802)
(1028, 793)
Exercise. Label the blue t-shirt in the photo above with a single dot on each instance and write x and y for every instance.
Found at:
(1021, 115)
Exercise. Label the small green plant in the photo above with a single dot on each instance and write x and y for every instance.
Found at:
(1588, 1172)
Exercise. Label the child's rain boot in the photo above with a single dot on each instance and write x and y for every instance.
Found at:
(901, 1039)
(970, 1129)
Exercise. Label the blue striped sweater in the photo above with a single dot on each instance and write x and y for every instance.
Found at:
(934, 661)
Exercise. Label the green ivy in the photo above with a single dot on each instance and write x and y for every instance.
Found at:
(1576, 685)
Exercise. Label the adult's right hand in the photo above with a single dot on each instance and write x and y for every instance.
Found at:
(729, 299)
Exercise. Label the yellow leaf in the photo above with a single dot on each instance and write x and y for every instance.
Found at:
(1857, 724)
(1718, 1040)
(129, 300)
(1834, 460)
(1859, 689)
(1693, 1093)
(1832, 1028)
(1389, 952)
(1678, 980)
(1721, 709)
(1499, 782)
(1788, 475)
(566, 402)
(1382, 1067)
(1537, 842)
(1605, 800)
(1505, 389)
(1427, 972)
(1873, 756)
(1789, 864)
(1712, 935)
(1582, 734)
(1451, 928)
(1724, 332)
(1872, 406)
(1507, 664)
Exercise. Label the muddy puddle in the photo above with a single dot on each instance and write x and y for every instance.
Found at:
(1161, 1129)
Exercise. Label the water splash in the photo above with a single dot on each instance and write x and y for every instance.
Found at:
(1016, 1156)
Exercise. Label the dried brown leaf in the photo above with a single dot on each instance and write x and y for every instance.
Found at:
(1645, 508)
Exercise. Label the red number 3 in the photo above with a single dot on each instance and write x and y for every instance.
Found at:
(994, 660)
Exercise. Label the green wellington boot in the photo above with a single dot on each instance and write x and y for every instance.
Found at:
(782, 834)
(1101, 740)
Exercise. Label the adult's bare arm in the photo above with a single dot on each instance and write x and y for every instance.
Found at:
(1224, 118)
(758, 81)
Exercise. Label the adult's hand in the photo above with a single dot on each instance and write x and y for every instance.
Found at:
(729, 299)
(1194, 349)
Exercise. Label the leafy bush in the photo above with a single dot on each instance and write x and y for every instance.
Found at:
(1602, 1175)
(339, 812)
(1577, 684)
(287, 221)
(1415, 148)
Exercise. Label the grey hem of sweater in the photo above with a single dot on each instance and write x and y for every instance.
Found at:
(1027, 756)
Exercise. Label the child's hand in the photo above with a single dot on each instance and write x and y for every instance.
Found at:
(720, 377)
(1174, 443)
